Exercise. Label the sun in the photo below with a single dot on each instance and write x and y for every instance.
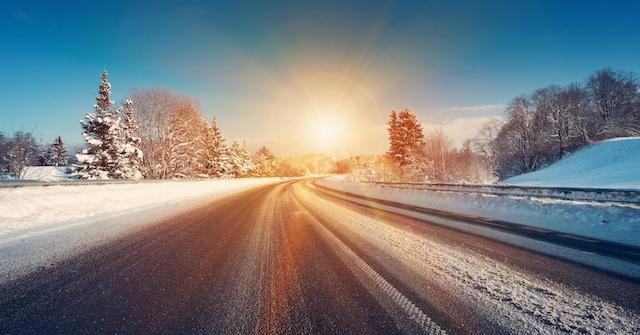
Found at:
(325, 132)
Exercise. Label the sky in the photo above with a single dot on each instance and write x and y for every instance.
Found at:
(304, 76)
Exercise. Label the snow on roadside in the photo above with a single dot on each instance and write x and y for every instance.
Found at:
(515, 299)
(45, 173)
(25, 209)
(39, 224)
(612, 163)
(597, 220)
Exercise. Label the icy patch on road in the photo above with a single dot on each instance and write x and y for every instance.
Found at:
(529, 305)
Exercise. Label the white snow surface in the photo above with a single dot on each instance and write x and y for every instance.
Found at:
(617, 223)
(522, 303)
(39, 224)
(45, 173)
(613, 163)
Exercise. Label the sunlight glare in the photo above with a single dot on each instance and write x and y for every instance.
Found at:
(325, 132)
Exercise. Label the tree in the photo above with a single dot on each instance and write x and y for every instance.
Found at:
(523, 138)
(405, 136)
(102, 134)
(185, 154)
(112, 144)
(396, 149)
(613, 96)
(22, 150)
(288, 167)
(240, 160)
(436, 149)
(130, 152)
(171, 128)
(484, 144)
(574, 98)
(216, 159)
(551, 103)
(264, 162)
(57, 154)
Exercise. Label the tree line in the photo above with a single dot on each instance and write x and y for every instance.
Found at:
(154, 134)
(159, 134)
(23, 149)
(416, 157)
(538, 129)
(542, 127)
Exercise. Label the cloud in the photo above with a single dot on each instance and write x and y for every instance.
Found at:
(458, 129)
(453, 112)
(475, 109)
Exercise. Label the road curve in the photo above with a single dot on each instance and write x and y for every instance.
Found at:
(286, 259)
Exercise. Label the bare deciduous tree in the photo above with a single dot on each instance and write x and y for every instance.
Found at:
(613, 95)
(167, 125)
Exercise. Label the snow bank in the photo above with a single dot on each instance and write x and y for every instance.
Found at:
(44, 173)
(613, 163)
(617, 223)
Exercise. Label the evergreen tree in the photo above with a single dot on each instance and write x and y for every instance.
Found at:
(130, 153)
(395, 147)
(405, 137)
(264, 162)
(217, 163)
(57, 153)
(100, 160)
(240, 160)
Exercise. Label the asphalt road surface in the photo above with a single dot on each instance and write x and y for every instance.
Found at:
(289, 259)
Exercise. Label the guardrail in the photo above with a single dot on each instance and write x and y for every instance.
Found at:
(564, 193)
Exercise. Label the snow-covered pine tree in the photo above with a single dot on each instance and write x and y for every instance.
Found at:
(265, 163)
(240, 160)
(395, 146)
(246, 159)
(57, 153)
(100, 160)
(405, 136)
(130, 153)
(217, 163)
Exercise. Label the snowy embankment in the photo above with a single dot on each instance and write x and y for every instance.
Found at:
(41, 223)
(613, 163)
(45, 173)
(612, 222)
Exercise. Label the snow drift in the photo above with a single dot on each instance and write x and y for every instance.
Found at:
(45, 173)
(613, 163)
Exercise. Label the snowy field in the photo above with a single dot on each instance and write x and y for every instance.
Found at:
(45, 173)
(613, 163)
(41, 223)
(617, 223)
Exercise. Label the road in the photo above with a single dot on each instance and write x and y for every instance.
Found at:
(289, 259)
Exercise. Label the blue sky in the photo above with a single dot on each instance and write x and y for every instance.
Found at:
(263, 68)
